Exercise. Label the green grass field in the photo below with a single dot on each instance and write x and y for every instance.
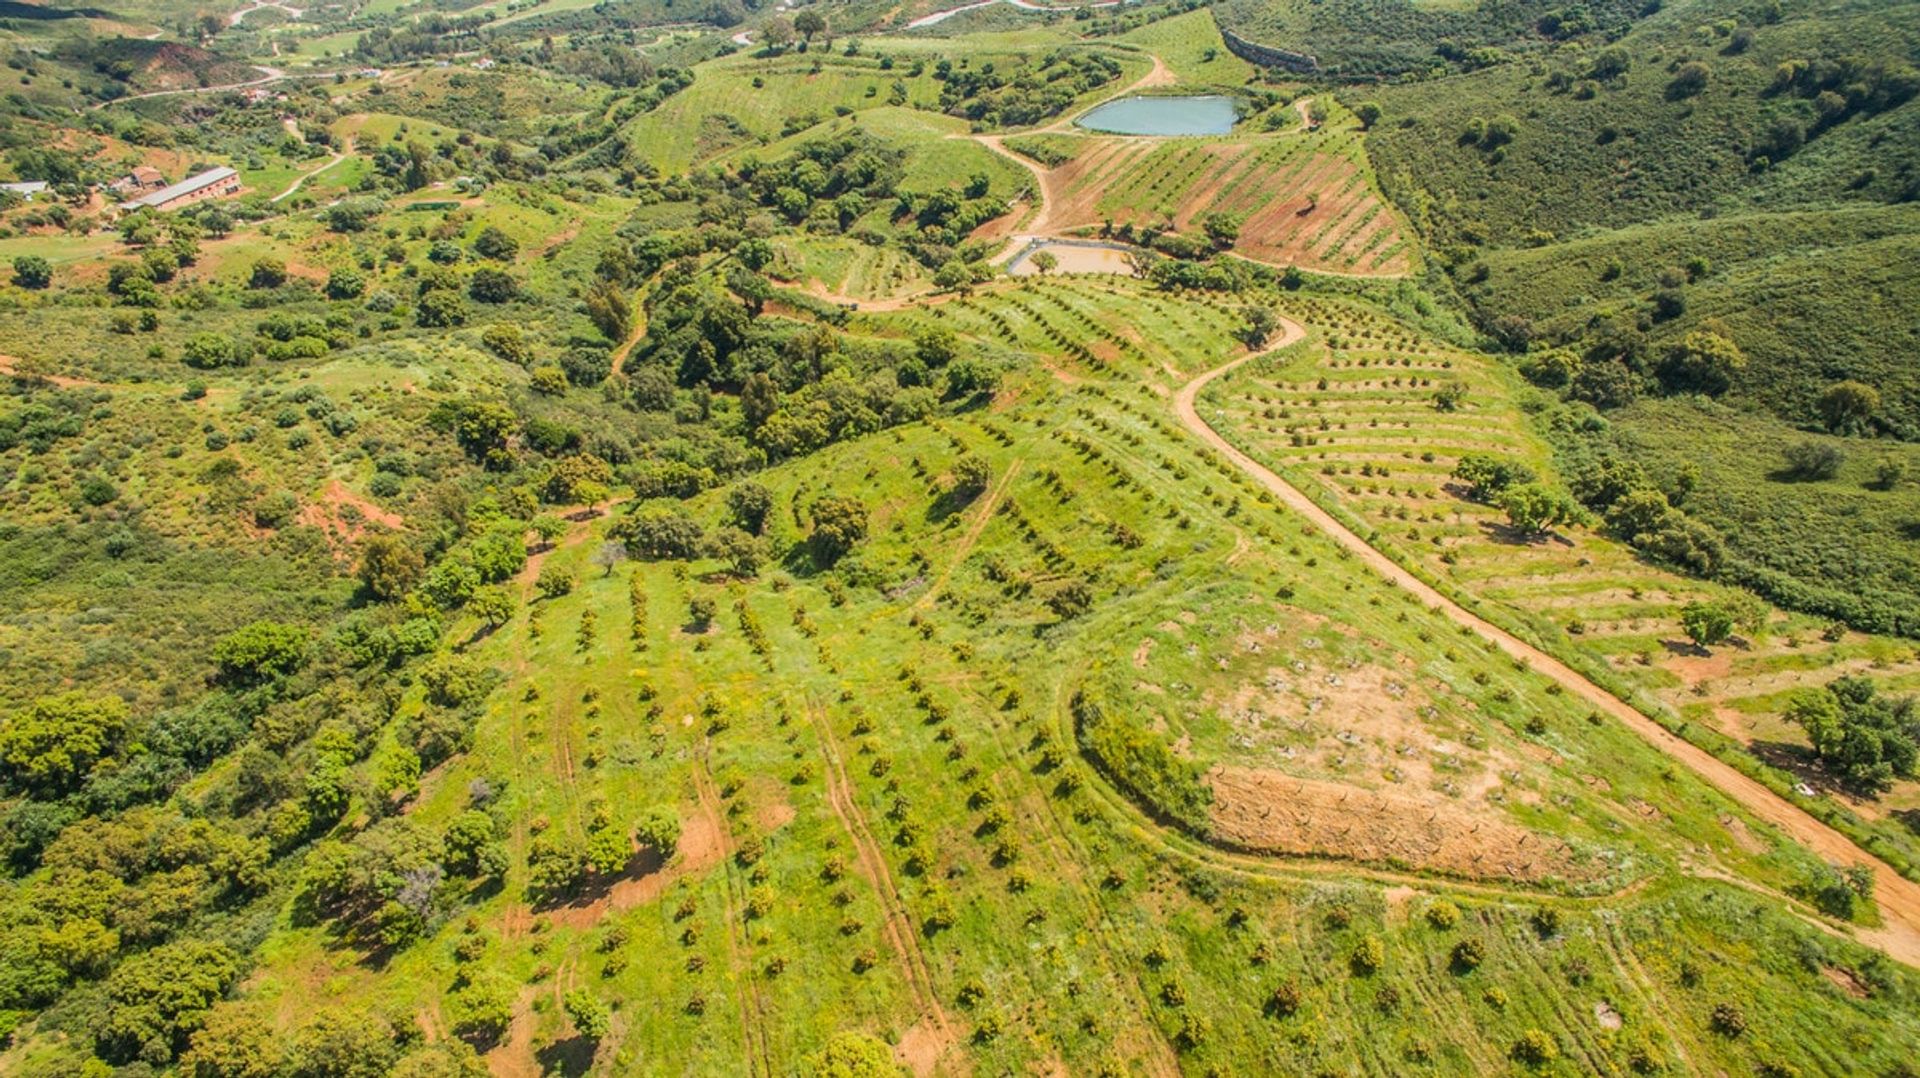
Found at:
(1191, 48)
(838, 768)
(697, 642)
(1350, 414)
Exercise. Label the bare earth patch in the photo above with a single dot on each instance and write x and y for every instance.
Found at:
(646, 878)
(1846, 981)
(1271, 812)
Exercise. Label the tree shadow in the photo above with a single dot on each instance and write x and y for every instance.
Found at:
(798, 559)
(1686, 648)
(1801, 762)
(1508, 535)
(1909, 819)
(570, 1057)
(645, 860)
(949, 504)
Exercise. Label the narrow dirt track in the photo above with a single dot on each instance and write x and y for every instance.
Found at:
(987, 504)
(897, 923)
(753, 1004)
(301, 180)
(267, 75)
(1898, 897)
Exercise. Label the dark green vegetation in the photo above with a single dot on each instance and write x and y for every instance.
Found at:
(1722, 172)
(1364, 39)
(587, 564)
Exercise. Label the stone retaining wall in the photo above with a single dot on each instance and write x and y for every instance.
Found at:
(1266, 55)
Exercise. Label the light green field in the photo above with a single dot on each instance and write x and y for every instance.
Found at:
(1190, 46)
(1350, 415)
(836, 768)
(792, 95)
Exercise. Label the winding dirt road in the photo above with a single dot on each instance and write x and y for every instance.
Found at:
(267, 75)
(1898, 897)
(300, 181)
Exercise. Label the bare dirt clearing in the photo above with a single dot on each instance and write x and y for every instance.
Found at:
(1270, 812)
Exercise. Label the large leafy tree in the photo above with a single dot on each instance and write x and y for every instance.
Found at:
(1536, 509)
(389, 566)
(52, 743)
(156, 1000)
(1865, 739)
(260, 651)
(838, 523)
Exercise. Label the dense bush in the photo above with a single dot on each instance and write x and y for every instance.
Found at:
(1140, 763)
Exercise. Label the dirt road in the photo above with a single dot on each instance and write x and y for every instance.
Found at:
(300, 181)
(1897, 896)
(267, 75)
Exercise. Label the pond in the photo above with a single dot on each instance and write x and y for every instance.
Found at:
(1208, 114)
(1073, 256)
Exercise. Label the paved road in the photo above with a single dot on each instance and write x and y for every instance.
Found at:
(267, 75)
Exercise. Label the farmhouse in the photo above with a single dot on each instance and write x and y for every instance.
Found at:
(213, 183)
(25, 190)
(142, 179)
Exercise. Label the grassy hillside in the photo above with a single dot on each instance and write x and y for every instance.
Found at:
(591, 564)
(1716, 171)
(878, 787)
(1364, 39)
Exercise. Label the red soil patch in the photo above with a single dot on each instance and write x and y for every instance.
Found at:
(920, 1049)
(345, 516)
(514, 1057)
(1270, 812)
(1847, 981)
(701, 848)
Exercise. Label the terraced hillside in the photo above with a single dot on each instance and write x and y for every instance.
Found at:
(996, 784)
(1303, 198)
(1351, 414)
(757, 546)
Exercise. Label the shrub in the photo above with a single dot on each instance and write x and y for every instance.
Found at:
(1728, 1020)
(554, 581)
(207, 351)
(1546, 922)
(1706, 623)
(1488, 476)
(1140, 763)
(1535, 1049)
(1285, 1001)
(495, 244)
(838, 523)
(970, 477)
(1812, 461)
(1467, 956)
(260, 651)
(267, 273)
(345, 284)
(1863, 737)
(1368, 956)
(1689, 80)
(589, 1016)
(32, 271)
